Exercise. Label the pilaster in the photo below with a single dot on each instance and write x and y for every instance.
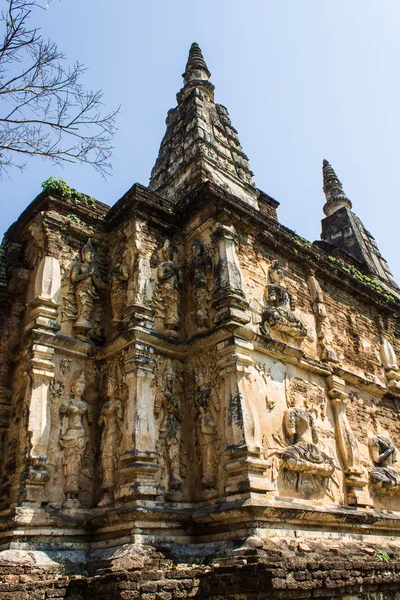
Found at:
(356, 485)
(246, 467)
(139, 468)
(229, 299)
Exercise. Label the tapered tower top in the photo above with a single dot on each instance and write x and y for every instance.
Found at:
(196, 67)
(342, 229)
(200, 143)
(333, 190)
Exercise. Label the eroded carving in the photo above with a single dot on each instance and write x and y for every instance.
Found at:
(280, 305)
(207, 411)
(166, 295)
(312, 468)
(324, 332)
(384, 477)
(110, 420)
(88, 282)
(118, 290)
(201, 276)
(65, 365)
(75, 417)
(167, 409)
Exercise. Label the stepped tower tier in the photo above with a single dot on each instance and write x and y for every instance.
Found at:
(200, 143)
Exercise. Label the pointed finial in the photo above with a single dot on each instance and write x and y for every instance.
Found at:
(196, 67)
(333, 190)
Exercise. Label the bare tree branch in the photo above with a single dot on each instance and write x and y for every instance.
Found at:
(44, 108)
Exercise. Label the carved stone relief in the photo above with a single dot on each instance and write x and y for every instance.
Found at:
(207, 407)
(167, 292)
(280, 306)
(75, 417)
(307, 467)
(118, 289)
(110, 420)
(82, 301)
(202, 285)
(324, 332)
(384, 475)
(168, 411)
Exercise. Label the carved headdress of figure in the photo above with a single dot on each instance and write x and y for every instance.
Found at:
(168, 372)
(88, 247)
(81, 378)
(200, 369)
(276, 271)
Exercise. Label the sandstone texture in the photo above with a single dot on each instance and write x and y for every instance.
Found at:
(195, 402)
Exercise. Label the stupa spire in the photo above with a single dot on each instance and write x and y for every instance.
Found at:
(196, 67)
(333, 190)
(200, 143)
(343, 229)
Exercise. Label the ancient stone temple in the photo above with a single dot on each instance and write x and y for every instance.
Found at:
(195, 401)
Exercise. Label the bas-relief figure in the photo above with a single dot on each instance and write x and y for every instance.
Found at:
(167, 409)
(208, 408)
(118, 289)
(312, 467)
(166, 295)
(87, 281)
(384, 476)
(110, 420)
(77, 414)
(280, 305)
(201, 273)
(324, 332)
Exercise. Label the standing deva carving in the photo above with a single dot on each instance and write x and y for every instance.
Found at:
(167, 409)
(324, 332)
(118, 289)
(74, 412)
(110, 420)
(201, 276)
(166, 295)
(88, 282)
(280, 305)
(207, 407)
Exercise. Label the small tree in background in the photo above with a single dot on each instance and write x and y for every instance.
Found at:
(44, 109)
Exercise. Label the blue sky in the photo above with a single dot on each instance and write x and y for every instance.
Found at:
(303, 80)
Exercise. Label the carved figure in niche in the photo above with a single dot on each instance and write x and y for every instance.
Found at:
(279, 315)
(208, 407)
(324, 333)
(383, 476)
(88, 282)
(167, 408)
(118, 286)
(201, 273)
(166, 295)
(110, 419)
(73, 441)
(266, 376)
(303, 457)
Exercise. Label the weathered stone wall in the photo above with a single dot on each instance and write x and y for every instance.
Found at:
(191, 375)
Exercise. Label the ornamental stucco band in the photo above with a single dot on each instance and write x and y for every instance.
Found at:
(182, 372)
